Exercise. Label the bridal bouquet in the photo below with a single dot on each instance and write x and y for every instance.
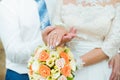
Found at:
(47, 64)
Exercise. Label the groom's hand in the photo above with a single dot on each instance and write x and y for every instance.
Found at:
(46, 32)
(55, 37)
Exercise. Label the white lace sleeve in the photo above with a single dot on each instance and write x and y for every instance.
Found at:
(57, 15)
(111, 44)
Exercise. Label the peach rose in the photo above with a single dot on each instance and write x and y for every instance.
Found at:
(66, 70)
(60, 63)
(44, 71)
(65, 56)
(62, 78)
(43, 56)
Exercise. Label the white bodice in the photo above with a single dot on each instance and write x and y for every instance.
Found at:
(97, 26)
(89, 21)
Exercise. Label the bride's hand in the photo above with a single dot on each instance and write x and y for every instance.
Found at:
(60, 36)
(69, 36)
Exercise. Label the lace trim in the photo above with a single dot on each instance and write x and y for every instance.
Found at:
(91, 2)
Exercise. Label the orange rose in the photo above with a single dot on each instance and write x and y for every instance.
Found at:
(43, 56)
(65, 56)
(66, 70)
(44, 71)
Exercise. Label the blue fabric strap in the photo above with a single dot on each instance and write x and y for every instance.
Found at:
(43, 13)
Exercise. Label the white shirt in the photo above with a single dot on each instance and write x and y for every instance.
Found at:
(20, 31)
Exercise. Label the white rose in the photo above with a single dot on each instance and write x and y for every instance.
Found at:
(62, 78)
(30, 61)
(41, 78)
(73, 65)
(37, 77)
(60, 63)
(35, 66)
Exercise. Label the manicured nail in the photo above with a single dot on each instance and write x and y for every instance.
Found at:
(57, 43)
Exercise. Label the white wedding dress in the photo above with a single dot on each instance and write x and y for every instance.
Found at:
(97, 27)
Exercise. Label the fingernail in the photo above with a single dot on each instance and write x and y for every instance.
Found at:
(57, 43)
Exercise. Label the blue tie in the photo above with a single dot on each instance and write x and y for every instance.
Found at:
(43, 13)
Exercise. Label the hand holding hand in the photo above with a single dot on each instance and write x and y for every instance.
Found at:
(60, 36)
(45, 33)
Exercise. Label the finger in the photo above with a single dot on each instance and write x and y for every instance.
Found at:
(55, 39)
(59, 40)
(112, 76)
(111, 64)
(119, 77)
(68, 37)
(48, 40)
(72, 30)
(51, 40)
(50, 36)
(48, 30)
(116, 68)
(115, 77)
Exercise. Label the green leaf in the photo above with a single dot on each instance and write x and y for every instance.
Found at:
(68, 78)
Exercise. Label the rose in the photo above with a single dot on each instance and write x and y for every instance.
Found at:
(44, 71)
(60, 63)
(62, 78)
(30, 61)
(43, 56)
(69, 53)
(65, 56)
(66, 70)
(38, 50)
(73, 65)
(35, 66)
(37, 77)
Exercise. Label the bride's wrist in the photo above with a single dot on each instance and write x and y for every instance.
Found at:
(80, 63)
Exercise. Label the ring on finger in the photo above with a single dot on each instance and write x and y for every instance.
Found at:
(55, 32)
